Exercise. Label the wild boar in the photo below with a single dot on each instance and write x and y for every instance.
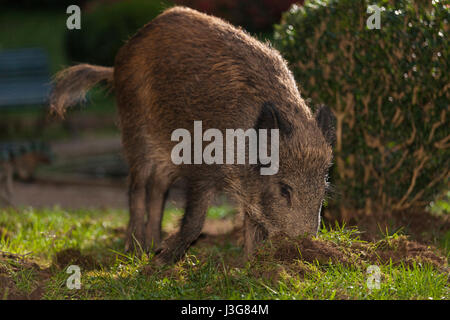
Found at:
(21, 160)
(186, 66)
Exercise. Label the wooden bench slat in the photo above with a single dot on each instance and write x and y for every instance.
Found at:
(24, 77)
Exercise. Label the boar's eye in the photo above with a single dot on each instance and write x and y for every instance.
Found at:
(286, 192)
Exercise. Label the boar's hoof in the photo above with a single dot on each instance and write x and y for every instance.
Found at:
(170, 252)
(163, 257)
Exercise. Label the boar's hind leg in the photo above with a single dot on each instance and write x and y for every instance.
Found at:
(173, 249)
(135, 232)
(157, 191)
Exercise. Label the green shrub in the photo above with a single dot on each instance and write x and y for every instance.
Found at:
(389, 90)
(106, 28)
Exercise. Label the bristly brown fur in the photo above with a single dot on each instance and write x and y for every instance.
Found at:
(185, 66)
(72, 84)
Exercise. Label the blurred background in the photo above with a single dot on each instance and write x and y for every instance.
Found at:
(388, 88)
(77, 162)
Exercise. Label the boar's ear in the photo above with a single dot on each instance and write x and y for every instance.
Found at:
(270, 118)
(325, 120)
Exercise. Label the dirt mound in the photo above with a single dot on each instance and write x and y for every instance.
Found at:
(72, 256)
(313, 250)
(9, 290)
(10, 263)
(283, 249)
(402, 250)
(14, 262)
(310, 250)
(282, 256)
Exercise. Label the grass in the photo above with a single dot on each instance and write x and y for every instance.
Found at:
(209, 270)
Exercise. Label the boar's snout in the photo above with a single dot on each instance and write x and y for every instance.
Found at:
(303, 223)
(293, 208)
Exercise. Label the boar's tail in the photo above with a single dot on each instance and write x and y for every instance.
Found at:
(72, 84)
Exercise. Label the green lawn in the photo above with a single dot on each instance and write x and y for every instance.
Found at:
(38, 245)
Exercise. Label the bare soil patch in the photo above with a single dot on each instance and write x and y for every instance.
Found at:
(282, 255)
(398, 250)
(408, 252)
(72, 256)
(285, 250)
(8, 288)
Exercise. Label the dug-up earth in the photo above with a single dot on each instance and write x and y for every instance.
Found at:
(291, 254)
(279, 254)
(9, 290)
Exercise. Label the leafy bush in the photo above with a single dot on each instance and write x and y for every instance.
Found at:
(389, 90)
(105, 29)
(252, 15)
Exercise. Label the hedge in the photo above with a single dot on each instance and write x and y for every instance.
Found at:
(389, 90)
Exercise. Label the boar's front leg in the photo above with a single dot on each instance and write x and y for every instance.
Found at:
(254, 234)
(173, 248)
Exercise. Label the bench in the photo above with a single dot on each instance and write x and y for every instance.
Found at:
(24, 82)
(24, 78)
